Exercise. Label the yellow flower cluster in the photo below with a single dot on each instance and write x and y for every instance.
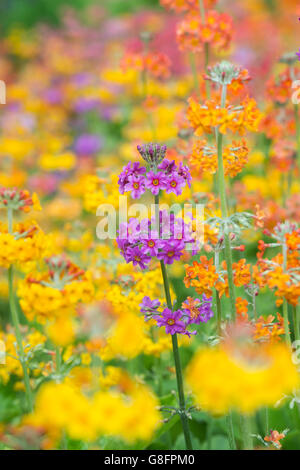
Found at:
(98, 191)
(12, 364)
(222, 380)
(129, 322)
(27, 243)
(62, 407)
(48, 303)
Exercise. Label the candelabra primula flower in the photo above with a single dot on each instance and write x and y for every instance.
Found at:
(25, 244)
(206, 273)
(279, 88)
(163, 175)
(186, 5)
(63, 407)
(204, 158)
(275, 437)
(156, 64)
(193, 33)
(200, 311)
(18, 199)
(56, 292)
(32, 341)
(139, 242)
(247, 377)
(205, 118)
(193, 311)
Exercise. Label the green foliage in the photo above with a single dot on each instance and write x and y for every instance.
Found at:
(26, 13)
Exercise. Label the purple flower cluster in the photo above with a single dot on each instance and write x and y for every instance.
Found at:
(162, 175)
(177, 321)
(139, 242)
(200, 311)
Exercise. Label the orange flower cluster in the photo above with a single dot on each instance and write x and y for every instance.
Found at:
(156, 64)
(204, 159)
(278, 278)
(279, 88)
(203, 276)
(263, 329)
(282, 155)
(241, 306)
(266, 330)
(274, 438)
(186, 5)
(193, 33)
(206, 275)
(204, 118)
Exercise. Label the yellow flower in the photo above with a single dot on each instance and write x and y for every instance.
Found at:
(222, 380)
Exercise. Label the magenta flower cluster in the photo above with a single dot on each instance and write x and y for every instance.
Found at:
(162, 174)
(139, 242)
(177, 321)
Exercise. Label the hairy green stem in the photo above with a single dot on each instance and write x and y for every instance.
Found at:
(16, 324)
(224, 210)
(285, 304)
(195, 73)
(178, 369)
(246, 432)
(297, 120)
(183, 416)
(230, 431)
(296, 312)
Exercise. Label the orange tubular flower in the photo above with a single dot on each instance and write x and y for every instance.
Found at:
(204, 118)
(156, 64)
(279, 89)
(186, 5)
(241, 308)
(192, 33)
(266, 330)
(242, 275)
(274, 438)
(204, 158)
(206, 275)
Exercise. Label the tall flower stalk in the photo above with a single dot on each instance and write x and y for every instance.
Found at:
(224, 209)
(164, 237)
(176, 355)
(16, 322)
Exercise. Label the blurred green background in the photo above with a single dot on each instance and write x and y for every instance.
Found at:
(27, 13)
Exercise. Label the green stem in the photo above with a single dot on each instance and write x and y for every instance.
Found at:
(267, 421)
(182, 410)
(16, 323)
(57, 360)
(224, 210)
(21, 354)
(296, 313)
(183, 416)
(246, 432)
(218, 300)
(285, 304)
(296, 110)
(230, 431)
(195, 73)
(202, 10)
